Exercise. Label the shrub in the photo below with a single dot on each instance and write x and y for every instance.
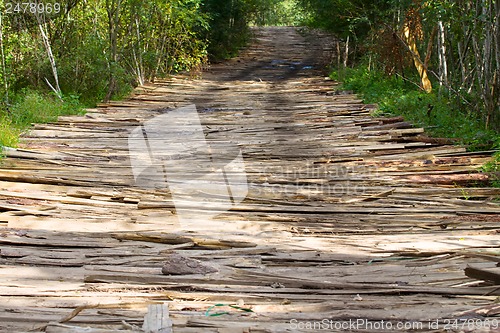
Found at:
(33, 107)
(436, 113)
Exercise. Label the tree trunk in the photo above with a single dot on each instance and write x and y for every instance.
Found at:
(429, 47)
(138, 57)
(48, 49)
(346, 54)
(4, 70)
(339, 55)
(412, 46)
(443, 65)
(113, 10)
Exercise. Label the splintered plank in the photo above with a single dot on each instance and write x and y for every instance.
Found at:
(487, 274)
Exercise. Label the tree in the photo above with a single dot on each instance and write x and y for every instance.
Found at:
(4, 69)
(46, 42)
(113, 8)
(455, 44)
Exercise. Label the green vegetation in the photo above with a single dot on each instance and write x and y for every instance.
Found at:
(229, 27)
(98, 50)
(432, 111)
(280, 13)
(451, 47)
(33, 107)
(36, 108)
(229, 22)
(8, 133)
(493, 168)
(435, 62)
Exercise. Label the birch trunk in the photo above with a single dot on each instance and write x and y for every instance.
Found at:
(138, 58)
(4, 70)
(443, 66)
(48, 49)
(346, 54)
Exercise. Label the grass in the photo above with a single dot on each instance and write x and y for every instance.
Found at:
(33, 107)
(437, 114)
(493, 169)
(9, 135)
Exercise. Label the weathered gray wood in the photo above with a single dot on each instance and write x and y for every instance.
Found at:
(175, 264)
(157, 319)
(487, 274)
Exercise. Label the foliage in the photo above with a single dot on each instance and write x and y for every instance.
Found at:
(347, 17)
(436, 62)
(100, 49)
(493, 169)
(9, 135)
(229, 21)
(493, 166)
(229, 26)
(97, 43)
(396, 96)
(32, 107)
(279, 13)
(454, 45)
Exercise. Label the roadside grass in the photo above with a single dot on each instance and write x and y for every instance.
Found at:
(493, 168)
(9, 135)
(31, 107)
(437, 114)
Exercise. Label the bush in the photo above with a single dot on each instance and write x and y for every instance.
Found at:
(437, 114)
(9, 135)
(493, 167)
(33, 107)
(229, 29)
(279, 13)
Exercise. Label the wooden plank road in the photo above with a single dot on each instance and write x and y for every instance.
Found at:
(348, 218)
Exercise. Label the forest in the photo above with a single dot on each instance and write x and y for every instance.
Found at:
(436, 60)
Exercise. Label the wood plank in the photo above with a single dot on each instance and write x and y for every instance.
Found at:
(487, 274)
